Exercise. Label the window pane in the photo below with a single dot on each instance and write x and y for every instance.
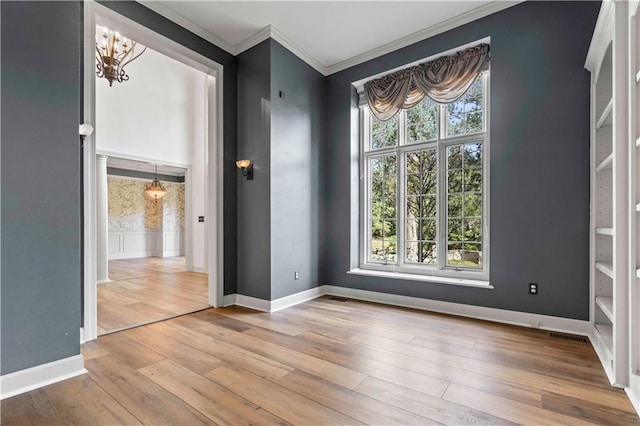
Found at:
(382, 196)
(383, 133)
(421, 207)
(454, 181)
(422, 122)
(423, 252)
(472, 155)
(466, 115)
(454, 157)
(464, 205)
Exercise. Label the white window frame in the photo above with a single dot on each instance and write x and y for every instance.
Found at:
(399, 267)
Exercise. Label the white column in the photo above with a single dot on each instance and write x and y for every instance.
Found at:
(102, 249)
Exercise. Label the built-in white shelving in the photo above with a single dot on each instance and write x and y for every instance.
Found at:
(607, 116)
(606, 268)
(607, 163)
(604, 231)
(606, 332)
(610, 205)
(634, 191)
(606, 305)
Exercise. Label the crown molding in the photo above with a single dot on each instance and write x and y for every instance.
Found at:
(270, 32)
(171, 15)
(255, 39)
(464, 18)
(298, 51)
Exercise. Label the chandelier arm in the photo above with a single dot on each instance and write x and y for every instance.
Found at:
(123, 64)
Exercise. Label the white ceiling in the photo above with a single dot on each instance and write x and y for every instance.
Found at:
(330, 35)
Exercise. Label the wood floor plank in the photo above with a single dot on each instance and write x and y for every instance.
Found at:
(596, 413)
(416, 381)
(390, 361)
(290, 406)
(537, 380)
(31, 408)
(129, 351)
(511, 410)
(353, 404)
(194, 359)
(260, 319)
(82, 401)
(332, 372)
(147, 401)
(214, 401)
(425, 405)
(257, 364)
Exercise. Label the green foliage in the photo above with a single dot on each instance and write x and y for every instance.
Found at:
(422, 122)
(383, 133)
(465, 115)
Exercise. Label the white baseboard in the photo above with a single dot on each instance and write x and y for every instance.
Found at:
(296, 298)
(633, 391)
(545, 322)
(198, 269)
(480, 312)
(253, 303)
(271, 305)
(229, 299)
(41, 375)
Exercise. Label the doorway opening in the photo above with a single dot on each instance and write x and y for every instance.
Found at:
(147, 276)
(201, 163)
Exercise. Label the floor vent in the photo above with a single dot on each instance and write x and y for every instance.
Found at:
(338, 299)
(571, 337)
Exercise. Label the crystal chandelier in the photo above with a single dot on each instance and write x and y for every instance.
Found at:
(113, 53)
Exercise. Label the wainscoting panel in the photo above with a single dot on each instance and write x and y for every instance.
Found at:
(131, 244)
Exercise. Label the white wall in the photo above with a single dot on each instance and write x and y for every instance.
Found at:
(159, 115)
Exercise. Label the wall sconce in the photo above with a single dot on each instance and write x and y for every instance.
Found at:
(85, 130)
(246, 167)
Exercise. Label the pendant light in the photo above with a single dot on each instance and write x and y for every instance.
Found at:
(155, 189)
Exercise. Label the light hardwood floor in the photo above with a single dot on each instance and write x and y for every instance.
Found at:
(329, 361)
(148, 289)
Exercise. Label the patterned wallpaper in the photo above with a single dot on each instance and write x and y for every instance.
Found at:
(131, 210)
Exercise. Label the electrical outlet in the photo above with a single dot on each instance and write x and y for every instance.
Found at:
(296, 275)
(534, 324)
(533, 288)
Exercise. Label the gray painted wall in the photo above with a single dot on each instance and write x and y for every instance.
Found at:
(539, 160)
(254, 231)
(297, 132)
(173, 31)
(280, 128)
(40, 214)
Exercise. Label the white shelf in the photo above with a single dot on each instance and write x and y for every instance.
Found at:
(638, 207)
(606, 306)
(606, 332)
(637, 142)
(607, 117)
(606, 268)
(604, 231)
(607, 163)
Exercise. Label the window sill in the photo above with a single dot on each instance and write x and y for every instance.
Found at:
(424, 278)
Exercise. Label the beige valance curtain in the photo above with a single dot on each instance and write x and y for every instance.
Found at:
(444, 80)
